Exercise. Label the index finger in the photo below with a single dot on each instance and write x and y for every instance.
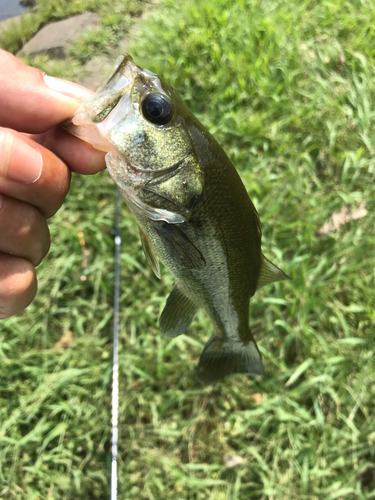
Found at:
(27, 103)
(80, 156)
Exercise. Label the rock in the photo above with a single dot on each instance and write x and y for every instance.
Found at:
(95, 70)
(54, 38)
(124, 44)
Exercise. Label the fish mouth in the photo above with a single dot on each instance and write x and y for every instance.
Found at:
(86, 121)
(123, 73)
(110, 103)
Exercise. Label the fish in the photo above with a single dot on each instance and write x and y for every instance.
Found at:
(192, 209)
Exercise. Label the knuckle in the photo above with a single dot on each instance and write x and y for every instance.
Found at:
(58, 192)
(35, 229)
(43, 246)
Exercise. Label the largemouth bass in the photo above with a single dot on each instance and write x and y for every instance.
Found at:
(192, 209)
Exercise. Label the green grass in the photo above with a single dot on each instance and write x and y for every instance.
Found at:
(288, 89)
(115, 18)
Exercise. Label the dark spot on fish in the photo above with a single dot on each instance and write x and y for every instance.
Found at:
(140, 137)
(193, 200)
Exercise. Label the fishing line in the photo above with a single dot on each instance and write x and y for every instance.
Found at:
(115, 349)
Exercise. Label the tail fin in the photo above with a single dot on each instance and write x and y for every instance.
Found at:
(221, 357)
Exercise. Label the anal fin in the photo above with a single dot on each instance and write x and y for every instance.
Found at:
(222, 357)
(269, 273)
(178, 313)
(150, 256)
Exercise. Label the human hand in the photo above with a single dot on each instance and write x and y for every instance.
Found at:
(36, 160)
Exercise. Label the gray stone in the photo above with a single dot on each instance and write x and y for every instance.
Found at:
(123, 46)
(54, 38)
(95, 70)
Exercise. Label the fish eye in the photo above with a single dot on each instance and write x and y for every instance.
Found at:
(157, 109)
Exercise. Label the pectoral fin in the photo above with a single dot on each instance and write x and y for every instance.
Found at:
(178, 313)
(269, 273)
(156, 214)
(180, 247)
(150, 256)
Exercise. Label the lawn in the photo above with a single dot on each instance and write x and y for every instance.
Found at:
(288, 89)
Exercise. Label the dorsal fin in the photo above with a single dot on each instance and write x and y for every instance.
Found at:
(269, 273)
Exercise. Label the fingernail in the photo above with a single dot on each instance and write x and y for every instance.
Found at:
(19, 161)
(70, 89)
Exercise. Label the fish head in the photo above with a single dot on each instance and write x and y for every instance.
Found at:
(137, 114)
(145, 128)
